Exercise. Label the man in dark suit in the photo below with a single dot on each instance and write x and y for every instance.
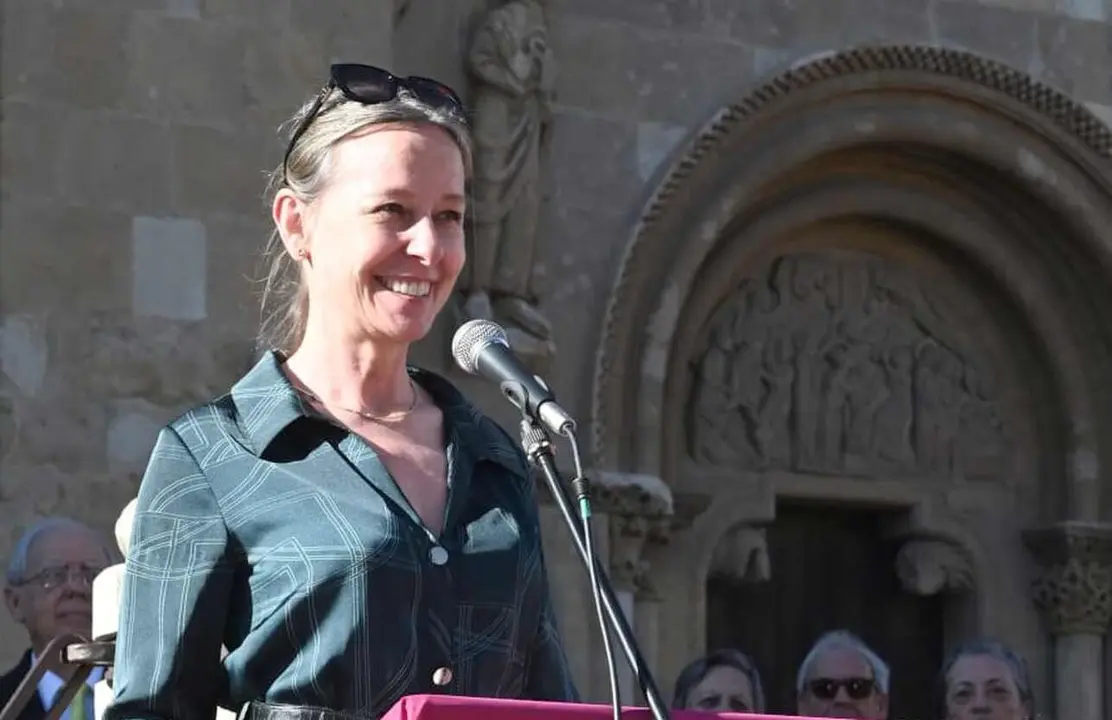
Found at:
(49, 592)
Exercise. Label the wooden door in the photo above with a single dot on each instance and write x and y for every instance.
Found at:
(830, 570)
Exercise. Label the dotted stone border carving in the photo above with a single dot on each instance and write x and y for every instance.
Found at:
(1071, 116)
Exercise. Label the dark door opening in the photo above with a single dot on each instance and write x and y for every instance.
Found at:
(831, 569)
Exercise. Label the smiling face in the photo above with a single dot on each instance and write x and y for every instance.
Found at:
(382, 245)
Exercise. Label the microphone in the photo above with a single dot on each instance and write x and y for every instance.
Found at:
(480, 347)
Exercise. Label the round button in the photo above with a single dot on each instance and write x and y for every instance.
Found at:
(441, 676)
(438, 555)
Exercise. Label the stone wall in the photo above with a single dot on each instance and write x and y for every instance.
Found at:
(134, 142)
(135, 136)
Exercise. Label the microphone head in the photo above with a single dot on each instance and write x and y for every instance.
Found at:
(471, 338)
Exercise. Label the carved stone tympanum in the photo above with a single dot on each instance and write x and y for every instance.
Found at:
(928, 566)
(514, 74)
(840, 363)
(1074, 587)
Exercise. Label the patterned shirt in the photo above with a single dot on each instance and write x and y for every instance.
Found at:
(264, 527)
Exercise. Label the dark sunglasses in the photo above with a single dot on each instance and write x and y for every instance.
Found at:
(827, 688)
(371, 85)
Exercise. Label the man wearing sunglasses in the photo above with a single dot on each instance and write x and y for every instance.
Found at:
(842, 677)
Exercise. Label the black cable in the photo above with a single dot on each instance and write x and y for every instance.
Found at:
(582, 487)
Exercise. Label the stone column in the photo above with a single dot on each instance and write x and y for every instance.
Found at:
(1074, 593)
(639, 508)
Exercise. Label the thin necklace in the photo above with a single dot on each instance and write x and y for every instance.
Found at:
(366, 414)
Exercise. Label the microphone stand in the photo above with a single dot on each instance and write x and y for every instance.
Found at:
(538, 449)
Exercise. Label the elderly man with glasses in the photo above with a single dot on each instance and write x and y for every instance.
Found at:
(842, 677)
(49, 592)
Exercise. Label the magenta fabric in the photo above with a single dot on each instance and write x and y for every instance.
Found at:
(453, 707)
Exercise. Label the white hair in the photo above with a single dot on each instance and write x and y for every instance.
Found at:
(17, 566)
(843, 640)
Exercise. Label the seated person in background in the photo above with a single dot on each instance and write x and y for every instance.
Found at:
(723, 681)
(49, 592)
(842, 677)
(985, 679)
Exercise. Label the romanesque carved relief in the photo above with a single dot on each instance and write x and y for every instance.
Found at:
(743, 555)
(514, 75)
(928, 566)
(842, 364)
(1074, 587)
(639, 508)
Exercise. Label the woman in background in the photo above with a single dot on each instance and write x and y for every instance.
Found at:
(984, 680)
(723, 681)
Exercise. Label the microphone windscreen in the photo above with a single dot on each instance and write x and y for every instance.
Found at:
(471, 338)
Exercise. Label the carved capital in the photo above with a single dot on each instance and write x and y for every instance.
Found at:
(640, 510)
(742, 554)
(1074, 587)
(931, 566)
(637, 494)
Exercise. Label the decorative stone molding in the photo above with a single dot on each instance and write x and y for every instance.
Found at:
(742, 555)
(1074, 587)
(930, 566)
(640, 510)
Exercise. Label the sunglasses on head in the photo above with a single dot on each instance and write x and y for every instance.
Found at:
(371, 85)
(827, 688)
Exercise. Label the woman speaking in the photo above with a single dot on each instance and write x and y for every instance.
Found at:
(349, 527)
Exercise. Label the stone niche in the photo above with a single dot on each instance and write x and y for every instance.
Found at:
(844, 363)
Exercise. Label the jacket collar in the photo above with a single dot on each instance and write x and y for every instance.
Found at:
(267, 404)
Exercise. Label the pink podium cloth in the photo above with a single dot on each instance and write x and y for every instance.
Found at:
(448, 707)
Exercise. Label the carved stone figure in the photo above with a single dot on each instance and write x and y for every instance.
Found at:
(840, 363)
(514, 76)
(743, 555)
(931, 566)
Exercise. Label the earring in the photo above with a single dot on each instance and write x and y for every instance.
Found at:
(301, 253)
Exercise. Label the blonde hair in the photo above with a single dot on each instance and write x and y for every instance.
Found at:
(285, 298)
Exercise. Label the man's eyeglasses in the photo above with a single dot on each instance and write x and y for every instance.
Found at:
(371, 85)
(827, 688)
(55, 577)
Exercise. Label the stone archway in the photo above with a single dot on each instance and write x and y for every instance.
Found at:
(994, 189)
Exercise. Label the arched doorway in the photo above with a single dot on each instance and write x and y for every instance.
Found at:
(921, 208)
(845, 358)
(834, 568)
